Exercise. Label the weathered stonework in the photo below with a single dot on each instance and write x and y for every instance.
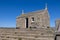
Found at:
(31, 26)
(41, 19)
(58, 25)
(57, 37)
(27, 34)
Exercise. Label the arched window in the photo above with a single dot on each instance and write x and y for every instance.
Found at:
(32, 19)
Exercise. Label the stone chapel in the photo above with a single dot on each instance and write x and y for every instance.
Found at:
(32, 26)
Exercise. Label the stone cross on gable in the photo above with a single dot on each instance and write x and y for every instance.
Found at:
(46, 6)
(22, 11)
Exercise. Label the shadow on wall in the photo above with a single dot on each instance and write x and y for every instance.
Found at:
(19, 38)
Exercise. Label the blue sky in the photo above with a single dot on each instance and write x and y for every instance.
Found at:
(10, 9)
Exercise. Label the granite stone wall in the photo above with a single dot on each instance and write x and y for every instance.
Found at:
(27, 34)
(41, 19)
